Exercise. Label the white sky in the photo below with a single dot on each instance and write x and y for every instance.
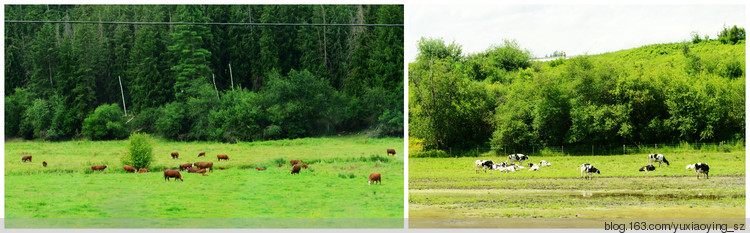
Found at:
(575, 29)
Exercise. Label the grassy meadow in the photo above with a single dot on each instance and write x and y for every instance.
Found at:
(335, 185)
(451, 188)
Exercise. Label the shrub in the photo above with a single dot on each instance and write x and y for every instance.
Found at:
(172, 120)
(695, 37)
(430, 154)
(107, 122)
(731, 35)
(145, 120)
(416, 145)
(272, 132)
(38, 116)
(140, 154)
(15, 107)
(298, 102)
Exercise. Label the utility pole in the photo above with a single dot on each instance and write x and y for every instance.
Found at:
(230, 75)
(217, 90)
(123, 96)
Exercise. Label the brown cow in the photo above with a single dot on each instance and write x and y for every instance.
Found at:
(222, 168)
(224, 157)
(304, 165)
(391, 152)
(185, 166)
(142, 170)
(280, 165)
(193, 170)
(128, 168)
(175, 155)
(202, 154)
(260, 169)
(374, 177)
(25, 158)
(201, 165)
(295, 169)
(172, 174)
(98, 167)
(293, 162)
(202, 171)
(44, 163)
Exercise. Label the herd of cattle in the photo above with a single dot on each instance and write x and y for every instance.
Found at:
(200, 167)
(515, 163)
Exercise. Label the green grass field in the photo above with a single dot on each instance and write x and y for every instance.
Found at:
(451, 188)
(335, 186)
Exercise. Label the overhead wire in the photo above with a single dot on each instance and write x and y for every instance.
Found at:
(208, 23)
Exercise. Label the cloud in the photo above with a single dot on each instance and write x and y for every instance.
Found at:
(576, 29)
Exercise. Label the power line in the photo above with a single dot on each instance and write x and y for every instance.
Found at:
(202, 23)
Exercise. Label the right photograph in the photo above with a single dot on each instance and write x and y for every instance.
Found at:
(611, 117)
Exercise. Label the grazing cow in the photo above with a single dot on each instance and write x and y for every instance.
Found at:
(280, 165)
(657, 158)
(142, 170)
(224, 157)
(98, 167)
(222, 168)
(202, 171)
(588, 170)
(201, 165)
(517, 157)
(374, 178)
(591, 171)
(175, 155)
(26, 158)
(44, 163)
(295, 169)
(260, 169)
(699, 168)
(544, 163)
(172, 174)
(647, 168)
(584, 167)
(533, 167)
(195, 170)
(479, 164)
(391, 152)
(185, 166)
(127, 168)
(304, 165)
(293, 162)
(202, 154)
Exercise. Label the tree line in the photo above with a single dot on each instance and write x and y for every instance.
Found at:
(203, 82)
(662, 93)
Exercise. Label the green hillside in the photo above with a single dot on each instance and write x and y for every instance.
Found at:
(661, 93)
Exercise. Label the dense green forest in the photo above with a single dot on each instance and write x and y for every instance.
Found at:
(662, 93)
(203, 82)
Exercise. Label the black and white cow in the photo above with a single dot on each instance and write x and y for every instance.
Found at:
(647, 168)
(588, 170)
(544, 163)
(517, 157)
(499, 166)
(510, 168)
(699, 168)
(486, 164)
(533, 167)
(657, 158)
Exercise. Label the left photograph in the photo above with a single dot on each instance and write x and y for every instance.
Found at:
(204, 116)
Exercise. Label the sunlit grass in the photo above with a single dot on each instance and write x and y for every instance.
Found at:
(335, 185)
